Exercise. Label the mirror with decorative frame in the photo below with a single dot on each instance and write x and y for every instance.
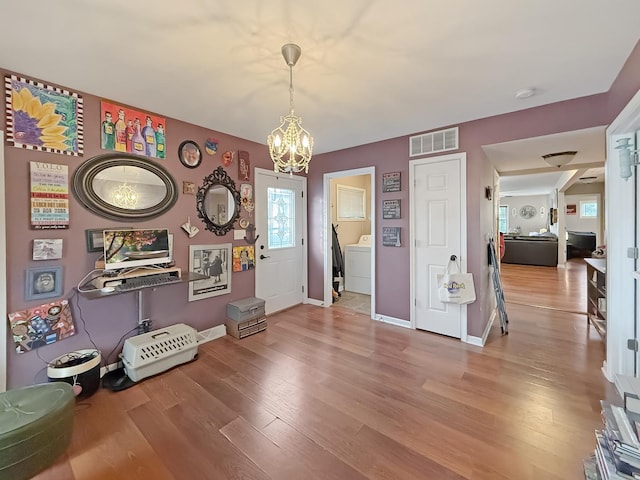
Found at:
(218, 202)
(124, 187)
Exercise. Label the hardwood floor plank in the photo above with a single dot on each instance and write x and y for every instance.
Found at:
(327, 393)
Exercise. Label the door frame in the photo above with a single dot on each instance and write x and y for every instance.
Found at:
(328, 271)
(620, 236)
(303, 208)
(462, 158)
(3, 272)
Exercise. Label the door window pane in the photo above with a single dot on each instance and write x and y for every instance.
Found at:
(281, 223)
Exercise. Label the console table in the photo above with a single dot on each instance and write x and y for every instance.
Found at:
(597, 294)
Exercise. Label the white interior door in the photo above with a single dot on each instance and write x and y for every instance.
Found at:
(280, 252)
(438, 226)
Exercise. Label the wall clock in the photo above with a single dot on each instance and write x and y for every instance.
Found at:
(528, 211)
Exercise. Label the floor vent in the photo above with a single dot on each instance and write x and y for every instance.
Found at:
(433, 142)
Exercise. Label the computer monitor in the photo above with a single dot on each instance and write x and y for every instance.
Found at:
(131, 248)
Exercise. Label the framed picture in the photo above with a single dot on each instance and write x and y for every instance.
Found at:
(95, 242)
(47, 249)
(125, 129)
(243, 258)
(43, 282)
(391, 182)
(391, 236)
(189, 188)
(572, 209)
(34, 106)
(190, 154)
(390, 209)
(216, 262)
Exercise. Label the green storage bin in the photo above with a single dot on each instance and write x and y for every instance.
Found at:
(36, 424)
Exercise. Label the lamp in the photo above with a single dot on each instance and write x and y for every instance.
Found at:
(290, 145)
(559, 159)
(627, 156)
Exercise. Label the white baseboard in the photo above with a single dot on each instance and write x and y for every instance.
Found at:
(211, 334)
(393, 321)
(480, 341)
(313, 301)
(110, 367)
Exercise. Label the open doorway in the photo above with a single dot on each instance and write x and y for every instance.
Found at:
(349, 275)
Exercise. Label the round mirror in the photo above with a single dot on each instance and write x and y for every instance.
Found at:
(124, 187)
(218, 202)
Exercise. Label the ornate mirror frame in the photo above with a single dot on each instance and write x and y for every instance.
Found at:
(218, 177)
(84, 192)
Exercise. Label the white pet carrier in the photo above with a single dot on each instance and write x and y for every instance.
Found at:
(154, 352)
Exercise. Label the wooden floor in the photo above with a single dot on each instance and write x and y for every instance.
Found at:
(330, 394)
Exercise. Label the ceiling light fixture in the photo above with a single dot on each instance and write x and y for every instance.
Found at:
(290, 145)
(559, 159)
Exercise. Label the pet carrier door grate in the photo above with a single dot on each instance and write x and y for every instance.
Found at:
(154, 352)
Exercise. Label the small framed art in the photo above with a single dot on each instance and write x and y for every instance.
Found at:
(390, 209)
(190, 154)
(47, 249)
(391, 182)
(43, 282)
(95, 243)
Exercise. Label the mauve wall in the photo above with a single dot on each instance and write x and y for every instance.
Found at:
(392, 264)
(108, 319)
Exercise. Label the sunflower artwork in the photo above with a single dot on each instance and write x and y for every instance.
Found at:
(44, 118)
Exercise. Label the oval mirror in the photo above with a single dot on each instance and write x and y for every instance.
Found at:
(124, 187)
(218, 202)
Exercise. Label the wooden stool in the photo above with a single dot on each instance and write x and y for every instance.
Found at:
(36, 423)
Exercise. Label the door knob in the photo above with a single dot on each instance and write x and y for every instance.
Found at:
(262, 257)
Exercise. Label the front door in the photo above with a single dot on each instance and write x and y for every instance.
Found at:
(438, 206)
(280, 259)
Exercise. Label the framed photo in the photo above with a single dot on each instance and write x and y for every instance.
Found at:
(216, 262)
(190, 154)
(47, 249)
(572, 209)
(391, 236)
(391, 182)
(95, 242)
(189, 188)
(43, 282)
(390, 209)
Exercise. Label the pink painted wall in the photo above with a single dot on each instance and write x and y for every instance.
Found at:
(108, 319)
(392, 264)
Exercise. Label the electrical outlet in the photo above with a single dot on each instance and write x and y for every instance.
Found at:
(144, 326)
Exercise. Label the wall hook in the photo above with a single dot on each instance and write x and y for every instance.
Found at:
(251, 237)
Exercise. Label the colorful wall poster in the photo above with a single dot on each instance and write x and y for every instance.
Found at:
(124, 129)
(243, 258)
(49, 196)
(43, 325)
(42, 117)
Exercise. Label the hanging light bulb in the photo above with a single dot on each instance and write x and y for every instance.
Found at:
(290, 145)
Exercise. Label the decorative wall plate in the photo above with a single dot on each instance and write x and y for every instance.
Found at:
(528, 211)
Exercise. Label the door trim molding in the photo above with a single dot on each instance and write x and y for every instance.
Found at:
(462, 158)
(326, 195)
(303, 208)
(3, 272)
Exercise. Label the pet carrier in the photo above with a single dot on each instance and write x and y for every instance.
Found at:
(159, 350)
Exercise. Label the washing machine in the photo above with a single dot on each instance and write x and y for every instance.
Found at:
(357, 259)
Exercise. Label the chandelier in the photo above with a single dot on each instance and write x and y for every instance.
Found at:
(124, 196)
(290, 145)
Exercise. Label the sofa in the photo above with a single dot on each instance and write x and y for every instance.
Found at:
(531, 250)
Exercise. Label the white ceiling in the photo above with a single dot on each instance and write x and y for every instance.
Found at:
(370, 70)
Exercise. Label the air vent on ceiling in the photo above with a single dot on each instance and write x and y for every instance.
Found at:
(433, 142)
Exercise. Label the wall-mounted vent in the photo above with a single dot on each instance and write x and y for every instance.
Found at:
(433, 142)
